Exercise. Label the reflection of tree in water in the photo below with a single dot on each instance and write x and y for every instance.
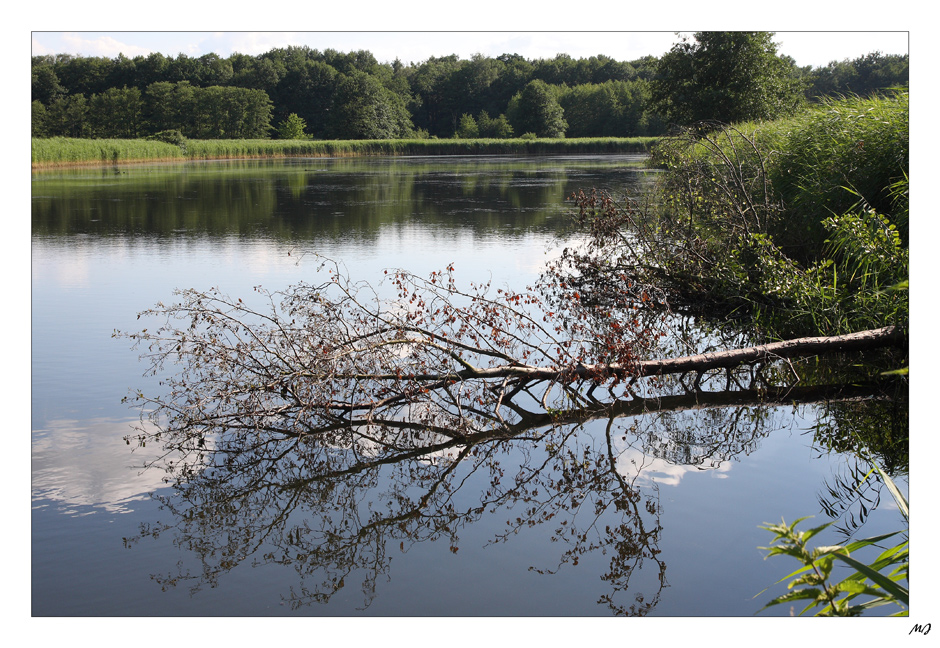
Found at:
(335, 512)
(868, 430)
(325, 431)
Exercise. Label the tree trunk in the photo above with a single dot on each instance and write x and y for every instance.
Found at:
(800, 347)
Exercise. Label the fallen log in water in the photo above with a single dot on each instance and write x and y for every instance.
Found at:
(800, 347)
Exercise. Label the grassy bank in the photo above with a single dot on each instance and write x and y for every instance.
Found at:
(66, 151)
(60, 151)
(800, 224)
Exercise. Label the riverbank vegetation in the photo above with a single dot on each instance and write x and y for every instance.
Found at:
(796, 226)
(65, 151)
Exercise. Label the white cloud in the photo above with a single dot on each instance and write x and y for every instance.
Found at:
(254, 43)
(640, 468)
(87, 464)
(101, 46)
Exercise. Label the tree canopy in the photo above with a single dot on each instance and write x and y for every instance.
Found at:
(536, 110)
(721, 75)
(727, 77)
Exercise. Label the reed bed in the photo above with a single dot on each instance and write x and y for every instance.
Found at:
(60, 151)
(214, 149)
(66, 151)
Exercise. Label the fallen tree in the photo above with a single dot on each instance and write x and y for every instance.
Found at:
(336, 359)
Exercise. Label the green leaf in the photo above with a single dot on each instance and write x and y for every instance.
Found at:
(808, 593)
(858, 544)
(810, 533)
(898, 592)
(895, 492)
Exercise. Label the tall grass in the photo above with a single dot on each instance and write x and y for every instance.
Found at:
(801, 224)
(841, 155)
(210, 149)
(58, 151)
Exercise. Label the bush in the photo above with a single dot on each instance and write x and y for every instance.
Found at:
(841, 155)
(292, 128)
(170, 137)
(800, 224)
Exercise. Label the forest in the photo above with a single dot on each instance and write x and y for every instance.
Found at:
(301, 93)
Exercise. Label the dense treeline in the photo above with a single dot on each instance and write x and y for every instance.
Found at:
(336, 95)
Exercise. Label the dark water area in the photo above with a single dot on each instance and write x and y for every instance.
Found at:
(665, 524)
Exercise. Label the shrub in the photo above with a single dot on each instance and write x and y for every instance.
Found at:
(170, 137)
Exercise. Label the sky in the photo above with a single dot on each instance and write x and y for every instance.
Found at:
(813, 48)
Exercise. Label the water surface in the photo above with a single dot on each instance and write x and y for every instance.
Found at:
(108, 243)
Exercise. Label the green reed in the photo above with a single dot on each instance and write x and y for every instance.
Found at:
(55, 151)
(58, 151)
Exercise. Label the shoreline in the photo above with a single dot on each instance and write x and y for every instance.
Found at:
(59, 153)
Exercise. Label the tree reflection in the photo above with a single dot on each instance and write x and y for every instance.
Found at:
(335, 511)
(338, 424)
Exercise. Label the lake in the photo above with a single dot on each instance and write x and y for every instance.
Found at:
(668, 528)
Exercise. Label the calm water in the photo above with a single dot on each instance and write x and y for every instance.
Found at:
(107, 244)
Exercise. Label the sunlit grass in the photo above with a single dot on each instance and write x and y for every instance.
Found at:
(63, 151)
(56, 151)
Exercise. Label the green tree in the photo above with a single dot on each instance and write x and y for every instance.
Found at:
(291, 128)
(85, 75)
(725, 76)
(306, 89)
(365, 109)
(39, 126)
(536, 110)
(433, 91)
(863, 76)
(162, 107)
(67, 117)
(493, 127)
(116, 112)
(45, 84)
(467, 127)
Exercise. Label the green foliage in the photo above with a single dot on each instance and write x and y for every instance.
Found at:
(291, 128)
(839, 155)
(222, 112)
(599, 96)
(364, 109)
(172, 136)
(863, 76)
(536, 110)
(116, 113)
(853, 288)
(879, 582)
(609, 108)
(62, 151)
(55, 151)
(799, 225)
(727, 77)
(494, 127)
(67, 116)
(39, 120)
(467, 128)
